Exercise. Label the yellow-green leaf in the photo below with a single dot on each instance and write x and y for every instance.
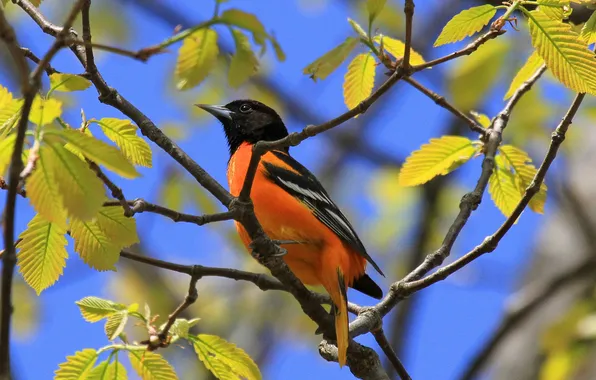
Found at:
(326, 64)
(68, 82)
(196, 58)
(247, 21)
(6, 149)
(357, 28)
(438, 157)
(181, 327)
(95, 309)
(10, 109)
(359, 80)
(525, 171)
(44, 111)
(565, 54)
(93, 245)
(225, 360)
(82, 192)
(466, 23)
(244, 64)
(529, 68)
(77, 366)
(124, 134)
(481, 118)
(108, 371)
(588, 32)
(502, 188)
(43, 189)
(122, 230)
(115, 324)
(374, 7)
(396, 48)
(151, 366)
(553, 8)
(98, 152)
(42, 253)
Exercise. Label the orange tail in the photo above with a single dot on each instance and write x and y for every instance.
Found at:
(339, 296)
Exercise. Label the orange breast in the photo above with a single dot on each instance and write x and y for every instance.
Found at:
(283, 217)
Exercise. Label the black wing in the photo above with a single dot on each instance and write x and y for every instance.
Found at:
(305, 187)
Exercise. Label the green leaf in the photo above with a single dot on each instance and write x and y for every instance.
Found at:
(465, 24)
(396, 48)
(115, 324)
(374, 7)
(95, 309)
(78, 366)
(196, 58)
(358, 29)
(502, 187)
(151, 366)
(439, 157)
(181, 327)
(225, 360)
(6, 149)
(330, 61)
(43, 189)
(44, 111)
(525, 171)
(279, 53)
(10, 110)
(529, 68)
(247, 21)
(93, 245)
(588, 32)
(82, 192)
(68, 82)
(121, 229)
(359, 80)
(98, 152)
(553, 8)
(565, 54)
(108, 371)
(124, 134)
(481, 118)
(244, 64)
(42, 253)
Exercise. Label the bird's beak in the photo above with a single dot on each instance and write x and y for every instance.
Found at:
(219, 112)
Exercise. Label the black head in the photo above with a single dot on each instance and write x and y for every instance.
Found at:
(247, 121)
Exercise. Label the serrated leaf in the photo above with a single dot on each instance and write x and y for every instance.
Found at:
(196, 58)
(397, 48)
(121, 229)
(10, 110)
(124, 134)
(98, 152)
(181, 326)
(359, 80)
(553, 8)
(330, 61)
(481, 118)
(93, 245)
(43, 190)
(77, 366)
(108, 371)
(565, 54)
(151, 366)
(68, 82)
(244, 64)
(225, 360)
(465, 24)
(438, 157)
(94, 309)
(502, 187)
(42, 254)
(115, 324)
(82, 192)
(44, 111)
(588, 32)
(529, 68)
(247, 21)
(374, 7)
(6, 149)
(525, 171)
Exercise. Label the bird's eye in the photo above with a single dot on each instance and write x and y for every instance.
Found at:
(245, 108)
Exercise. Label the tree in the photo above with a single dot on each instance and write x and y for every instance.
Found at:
(59, 169)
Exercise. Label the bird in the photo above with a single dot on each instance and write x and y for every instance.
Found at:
(292, 206)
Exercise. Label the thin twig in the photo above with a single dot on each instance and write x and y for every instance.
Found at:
(382, 341)
(30, 55)
(409, 12)
(114, 189)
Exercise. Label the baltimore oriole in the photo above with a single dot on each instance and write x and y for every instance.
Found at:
(291, 204)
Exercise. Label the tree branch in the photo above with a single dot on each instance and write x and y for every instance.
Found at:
(388, 350)
(409, 12)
